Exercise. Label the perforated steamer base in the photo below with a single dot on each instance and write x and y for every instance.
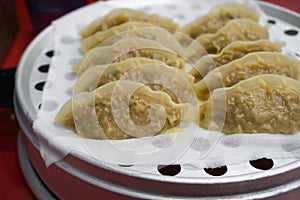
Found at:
(80, 177)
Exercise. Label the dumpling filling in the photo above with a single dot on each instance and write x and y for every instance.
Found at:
(139, 111)
(235, 30)
(230, 53)
(120, 110)
(249, 66)
(259, 108)
(122, 15)
(217, 18)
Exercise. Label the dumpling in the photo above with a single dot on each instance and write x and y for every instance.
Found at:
(99, 75)
(155, 74)
(122, 15)
(262, 104)
(232, 52)
(235, 30)
(131, 29)
(129, 48)
(161, 77)
(246, 67)
(217, 17)
(119, 110)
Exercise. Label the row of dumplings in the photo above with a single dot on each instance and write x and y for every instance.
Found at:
(245, 83)
(136, 97)
(132, 79)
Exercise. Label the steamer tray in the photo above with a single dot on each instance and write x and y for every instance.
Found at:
(77, 177)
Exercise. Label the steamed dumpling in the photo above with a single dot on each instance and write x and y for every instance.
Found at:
(99, 75)
(232, 52)
(122, 15)
(119, 110)
(250, 65)
(131, 29)
(161, 77)
(217, 17)
(235, 30)
(129, 48)
(155, 74)
(262, 104)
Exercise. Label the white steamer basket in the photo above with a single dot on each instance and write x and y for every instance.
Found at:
(78, 177)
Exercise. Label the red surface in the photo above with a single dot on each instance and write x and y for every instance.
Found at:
(290, 4)
(12, 183)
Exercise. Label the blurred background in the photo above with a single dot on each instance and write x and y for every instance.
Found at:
(20, 22)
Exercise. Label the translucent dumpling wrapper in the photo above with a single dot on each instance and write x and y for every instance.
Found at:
(122, 15)
(161, 77)
(129, 48)
(121, 110)
(155, 74)
(235, 30)
(131, 29)
(232, 52)
(216, 18)
(262, 104)
(99, 75)
(246, 67)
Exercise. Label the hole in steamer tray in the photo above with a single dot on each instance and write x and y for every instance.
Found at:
(219, 171)
(44, 68)
(125, 165)
(169, 170)
(50, 53)
(40, 86)
(262, 164)
(291, 32)
(271, 21)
